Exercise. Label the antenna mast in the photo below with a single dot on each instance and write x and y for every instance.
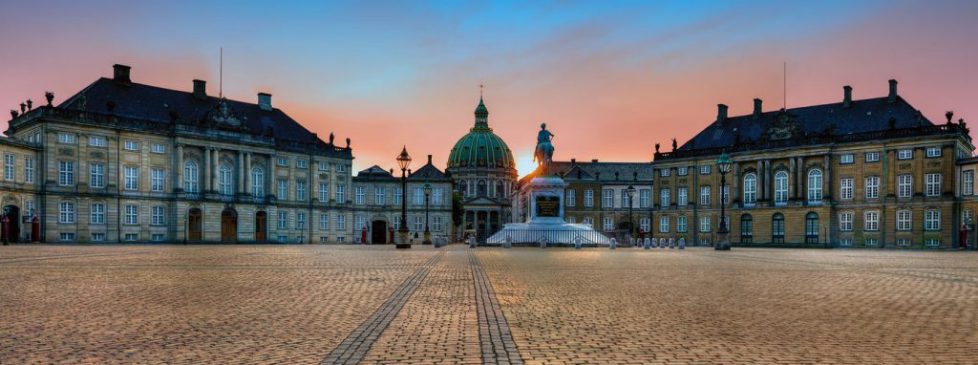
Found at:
(220, 91)
(784, 87)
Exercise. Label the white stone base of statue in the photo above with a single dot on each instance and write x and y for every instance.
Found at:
(545, 222)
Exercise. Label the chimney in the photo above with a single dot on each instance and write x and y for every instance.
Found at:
(429, 159)
(594, 160)
(265, 101)
(120, 73)
(757, 107)
(846, 96)
(200, 89)
(721, 113)
(893, 91)
(573, 161)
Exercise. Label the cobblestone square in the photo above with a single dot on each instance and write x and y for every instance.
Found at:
(322, 304)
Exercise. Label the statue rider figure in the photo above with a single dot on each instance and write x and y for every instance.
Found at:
(545, 150)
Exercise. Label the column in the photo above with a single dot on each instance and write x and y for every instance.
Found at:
(179, 173)
(760, 180)
(827, 177)
(215, 166)
(793, 172)
(247, 173)
(271, 187)
(801, 178)
(207, 169)
(241, 172)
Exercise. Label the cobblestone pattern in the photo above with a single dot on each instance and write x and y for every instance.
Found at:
(354, 347)
(747, 306)
(495, 337)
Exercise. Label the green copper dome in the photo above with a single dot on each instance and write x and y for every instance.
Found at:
(480, 147)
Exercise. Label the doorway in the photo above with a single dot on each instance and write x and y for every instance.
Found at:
(194, 224)
(378, 232)
(229, 225)
(11, 229)
(261, 227)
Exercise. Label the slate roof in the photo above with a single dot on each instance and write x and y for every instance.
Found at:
(428, 172)
(374, 173)
(597, 171)
(828, 120)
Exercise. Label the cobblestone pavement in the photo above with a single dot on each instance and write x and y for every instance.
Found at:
(297, 304)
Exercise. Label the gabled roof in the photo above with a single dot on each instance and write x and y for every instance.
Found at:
(374, 173)
(596, 171)
(428, 172)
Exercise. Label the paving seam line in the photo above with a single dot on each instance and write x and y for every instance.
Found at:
(495, 337)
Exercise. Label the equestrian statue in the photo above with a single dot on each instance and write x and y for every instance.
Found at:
(544, 152)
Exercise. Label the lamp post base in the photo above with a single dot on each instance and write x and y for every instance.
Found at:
(427, 238)
(403, 240)
(723, 241)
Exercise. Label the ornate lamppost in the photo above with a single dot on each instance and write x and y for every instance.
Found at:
(403, 161)
(427, 199)
(723, 239)
(630, 190)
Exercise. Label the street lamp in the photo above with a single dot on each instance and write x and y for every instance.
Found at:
(723, 239)
(630, 190)
(403, 161)
(427, 197)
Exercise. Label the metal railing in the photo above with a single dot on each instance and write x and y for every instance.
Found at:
(552, 237)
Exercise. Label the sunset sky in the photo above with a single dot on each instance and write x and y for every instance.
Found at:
(610, 78)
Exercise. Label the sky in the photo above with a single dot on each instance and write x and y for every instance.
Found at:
(610, 78)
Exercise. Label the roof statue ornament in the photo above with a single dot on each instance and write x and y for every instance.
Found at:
(222, 114)
(545, 149)
(674, 145)
(657, 147)
(331, 137)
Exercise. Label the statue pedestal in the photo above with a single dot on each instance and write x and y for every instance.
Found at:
(545, 219)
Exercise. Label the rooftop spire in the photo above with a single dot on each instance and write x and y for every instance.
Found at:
(481, 112)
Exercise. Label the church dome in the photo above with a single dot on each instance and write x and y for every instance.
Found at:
(480, 147)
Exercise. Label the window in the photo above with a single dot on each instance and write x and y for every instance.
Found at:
(681, 224)
(300, 220)
(282, 161)
(903, 220)
(932, 220)
(300, 190)
(845, 221)
(933, 184)
(323, 166)
(871, 242)
(705, 170)
(66, 173)
(341, 222)
(872, 187)
(323, 192)
(904, 186)
(933, 152)
(932, 242)
(157, 179)
(571, 198)
(625, 200)
(340, 168)
(705, 195)
(96, 177)
(417, 196)
(190, 177)
(66, 212)
(67, 236)
(380, 195)
(905, 154)
(158, 216)
(608, 223)
(570, 219)
(746, 228)
(607, 198)
(811, 227)
(324, 221)
(705, 223)
(418, 223)
(682, 171)
(644, 198)
(157, 148)
(872, 156)
(283, 220)
(97, 141)
(398, 195)
(968, 183)
(750, 188)
(846, 159)
(664, 172)
(966, 216)
(301, 163)
(29, 169)
(436, 223)
(682, 198)
(777, 228)
(29, 204)
(664, 198)
(9, 166)
(359, 195)
(257, 182)
(438, 196)
(131, 214)
(98, 237)
(97, 214)
(130, 145)
(588, 221)
(663, 224)
(845, 242)
(725, 195)
(225, 179)
(845, 188)
(781, 187)
(341, 193)
(283, 189)
(588, 198)
(814, 185)
(131, 178)
(66, 138)
(158, 237)
(644, 224)
(903, 242)
(871, 220)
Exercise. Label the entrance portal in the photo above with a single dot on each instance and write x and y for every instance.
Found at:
(229, 225)
(261, 227)
(378, 232)
(11, 225)
(194, 224)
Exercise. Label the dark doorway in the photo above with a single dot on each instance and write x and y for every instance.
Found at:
(229, 225)
(194, 224)
(261, 226)
(378, 232)
(11, 229)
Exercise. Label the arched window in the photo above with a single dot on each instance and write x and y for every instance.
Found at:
(781, 187)
(750, 188)
(811, 227)
(500, 191)
(257, 182)
(777, 228)
(481, 188)
(225, 181)
(190, 176)
(746, 228)
(814, 185)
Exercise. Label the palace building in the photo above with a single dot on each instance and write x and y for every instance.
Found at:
(861, 173)
(122, 161)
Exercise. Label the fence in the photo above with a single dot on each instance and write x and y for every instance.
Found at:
(553, 237)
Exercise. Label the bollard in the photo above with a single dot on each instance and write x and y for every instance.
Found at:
(682, 243)
(672, 243)
(647, 244)
(509, 242)
(662, 243)
(471, 242)
(577, 242)
(614, 244)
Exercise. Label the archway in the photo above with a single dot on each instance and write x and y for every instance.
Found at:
(261, 226)
(194, 224)
(229, 225)
(378, 232)
(11, 226)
